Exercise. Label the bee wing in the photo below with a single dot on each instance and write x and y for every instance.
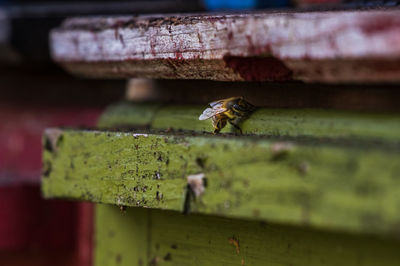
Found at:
(210, 112)
(216, 103)
(221, 102)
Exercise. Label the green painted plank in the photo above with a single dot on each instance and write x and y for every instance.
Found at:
(120, 239)
(170, 238)
(271, 122)
(338, 187)
(129, 114)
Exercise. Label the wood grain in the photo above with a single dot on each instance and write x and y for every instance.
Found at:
(335, 187)
(153, 237)
(340, 46)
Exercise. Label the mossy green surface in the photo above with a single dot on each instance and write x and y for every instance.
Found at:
(269, 122)
(154, 237)
(334, 187)
(126, 113)
(324, 123)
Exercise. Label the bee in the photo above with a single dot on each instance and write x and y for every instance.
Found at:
(231, 110)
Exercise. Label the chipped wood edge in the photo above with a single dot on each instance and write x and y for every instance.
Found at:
(341, 46)
(331, 187)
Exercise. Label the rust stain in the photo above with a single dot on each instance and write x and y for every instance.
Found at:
(152, 46)
(380, 23)
(235, 242)
(259, 68)
(179, 56)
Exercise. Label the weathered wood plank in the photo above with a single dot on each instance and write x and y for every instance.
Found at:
(342, 46)
(120, 240)
(271, 122)
(336, 187)
(153, 237)
(28, 24)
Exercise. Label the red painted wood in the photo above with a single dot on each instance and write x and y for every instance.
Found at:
(34, 231)
(21, 129)
(28, 222)
(85, 231)
(335, 46)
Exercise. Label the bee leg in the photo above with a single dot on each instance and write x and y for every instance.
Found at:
(235, 126)
(217, 127)
(218, 124)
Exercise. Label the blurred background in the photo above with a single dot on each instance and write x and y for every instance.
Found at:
(36, 94)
